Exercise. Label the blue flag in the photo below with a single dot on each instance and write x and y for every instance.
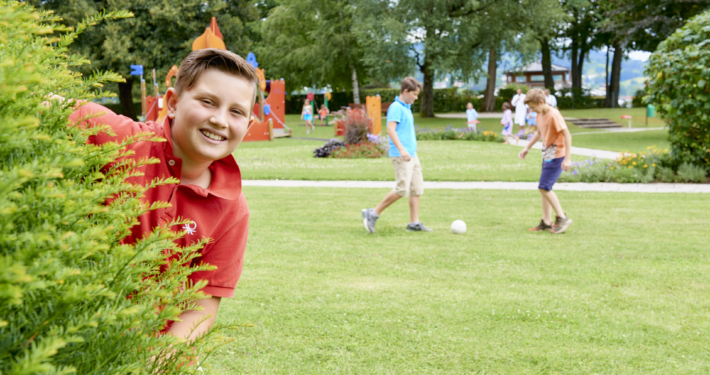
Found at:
(136, 70)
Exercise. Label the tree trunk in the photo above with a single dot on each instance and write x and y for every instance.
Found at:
(547, 65)
(576, 79)
(580, 64)
(427, 103)
(356, 88)
(125, 96)
(613, 93)
(489, 99)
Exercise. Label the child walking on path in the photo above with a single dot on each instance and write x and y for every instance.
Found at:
(471, 116)
(403, 152)
(307, 116)
(507, 123)
(556, 157)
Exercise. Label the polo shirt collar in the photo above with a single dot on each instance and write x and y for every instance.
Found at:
(226, 176)
(396, 99)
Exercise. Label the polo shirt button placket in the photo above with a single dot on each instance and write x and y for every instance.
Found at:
(171, 162)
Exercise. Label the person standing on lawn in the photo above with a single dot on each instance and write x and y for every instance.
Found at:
(471, 117)
(550, 99)
(521, 110)
(556, 157)
(403, 152)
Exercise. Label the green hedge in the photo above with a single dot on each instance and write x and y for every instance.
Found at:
(73, 299)
(680, 84)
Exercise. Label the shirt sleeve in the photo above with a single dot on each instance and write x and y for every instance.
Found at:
(558, 121)
(394, 113)
(92, 114)
(227, 253)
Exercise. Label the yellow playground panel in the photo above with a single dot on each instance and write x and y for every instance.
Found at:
(373, 106)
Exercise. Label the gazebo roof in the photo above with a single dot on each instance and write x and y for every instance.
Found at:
(536, 67)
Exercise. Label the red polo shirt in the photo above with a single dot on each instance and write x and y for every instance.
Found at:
(219, 213)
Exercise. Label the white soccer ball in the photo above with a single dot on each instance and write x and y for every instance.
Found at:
(458, 227)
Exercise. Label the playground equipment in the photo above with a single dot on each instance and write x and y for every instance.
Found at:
(373, 105)
(627, 117)
(271, 111)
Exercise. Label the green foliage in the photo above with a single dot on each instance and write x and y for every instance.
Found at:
(679, 84)
(644, 167)
(310, 43)
(451, 134)
(73, 299)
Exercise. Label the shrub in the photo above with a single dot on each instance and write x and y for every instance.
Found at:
(644, 167)
(680, 85)
(356, 126)
(66, 277)
(691, 173)
(328, 148)
(364, 149)
(451, 133)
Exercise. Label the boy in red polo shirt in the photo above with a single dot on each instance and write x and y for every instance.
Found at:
(209, 112)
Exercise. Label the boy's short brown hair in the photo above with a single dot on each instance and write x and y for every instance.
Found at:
(535, 96)
(197, 62)
(410, 84)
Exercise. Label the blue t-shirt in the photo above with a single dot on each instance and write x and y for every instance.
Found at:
(402, 114)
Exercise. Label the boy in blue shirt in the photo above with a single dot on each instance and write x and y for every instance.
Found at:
(403, 152)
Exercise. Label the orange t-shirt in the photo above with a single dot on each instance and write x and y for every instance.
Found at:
(550, 126)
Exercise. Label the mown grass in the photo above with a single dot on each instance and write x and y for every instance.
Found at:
(625, 291)
(441, 161)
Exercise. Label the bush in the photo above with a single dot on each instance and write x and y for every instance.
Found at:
(328, 148)
(73, 299)
(453, 134)
(680, 85)
(638, 100)
(649, 166)
(364, 149)
(356, 125)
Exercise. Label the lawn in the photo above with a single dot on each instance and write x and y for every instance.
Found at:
(293, 159)
(625, 291)
(634, 142)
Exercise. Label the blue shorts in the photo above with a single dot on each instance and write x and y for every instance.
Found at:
(307, 117)
(551, 171)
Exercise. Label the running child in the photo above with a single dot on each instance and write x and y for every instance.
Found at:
(323, 113)
(209, 112)
(507, 123)
(307, 116)
(471, 116)
(556, 157)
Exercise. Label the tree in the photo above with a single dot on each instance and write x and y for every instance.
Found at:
(642, 25)
(453, 37)
(159, 36)
(585, 16)
(518, 28)
(310, 43)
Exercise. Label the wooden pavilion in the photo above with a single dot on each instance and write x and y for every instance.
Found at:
(535, 69)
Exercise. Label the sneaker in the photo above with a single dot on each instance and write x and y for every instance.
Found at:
(369, 218)
(561, 225)
(541, 227)
(417, 227)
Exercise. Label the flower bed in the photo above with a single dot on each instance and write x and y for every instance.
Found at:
(453, 134)
(374, 147)
(653, 165)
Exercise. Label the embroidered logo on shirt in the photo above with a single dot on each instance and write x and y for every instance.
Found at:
(190, 229)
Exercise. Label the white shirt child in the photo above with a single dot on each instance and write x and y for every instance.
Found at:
(551, 101)
(471, 116)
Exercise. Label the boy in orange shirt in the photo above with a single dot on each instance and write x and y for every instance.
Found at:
(556, 157)
(209, 112)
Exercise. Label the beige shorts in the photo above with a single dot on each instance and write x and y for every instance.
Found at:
(408, 177)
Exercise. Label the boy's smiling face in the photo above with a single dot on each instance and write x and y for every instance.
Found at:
(211, 118)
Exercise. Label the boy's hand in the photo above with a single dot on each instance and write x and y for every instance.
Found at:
(566, 165)
(524, 152)
(405, 155)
